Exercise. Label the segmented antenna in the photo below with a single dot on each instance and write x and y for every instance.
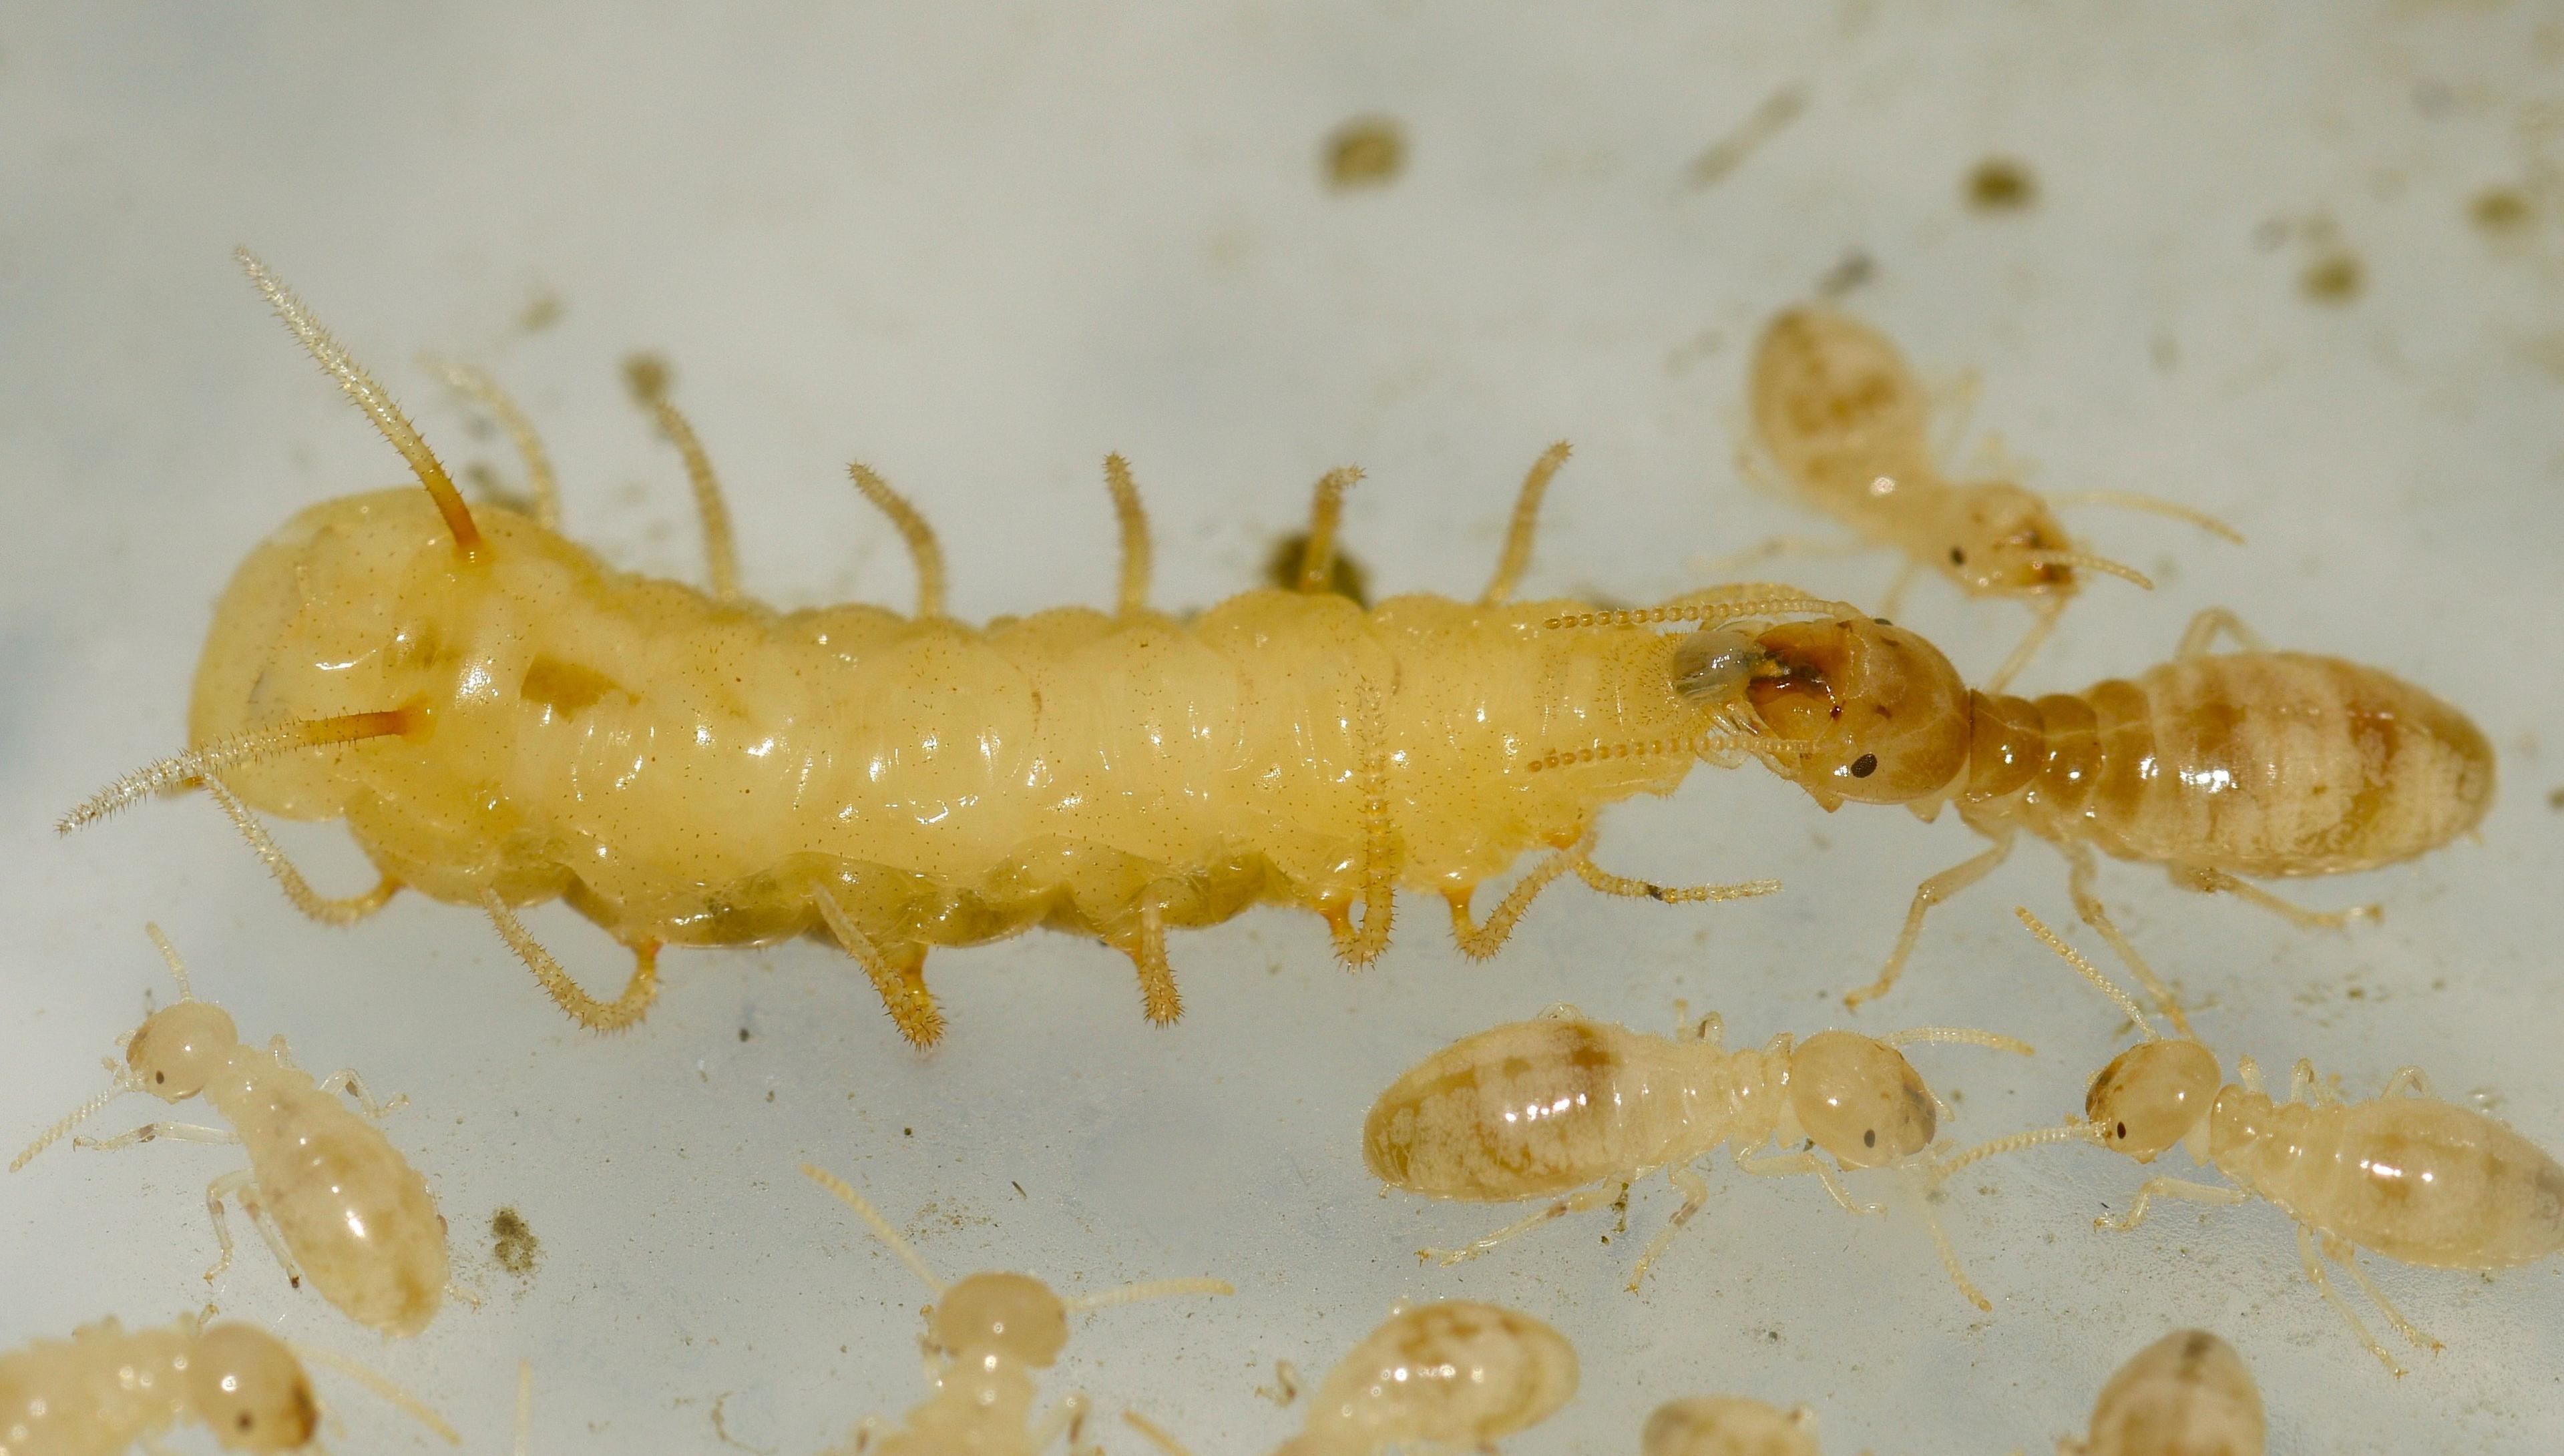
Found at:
(251, 747)
(1969, 1035)
(476, 385)
(880, 1226)
(1132, 597)
(922, 548)
(2090, 973)
(86, 1110)
(647, 377)
(169, 954)
(1326, 514)
(1725, 610)
(1153, 1289)
(2049, 556)
(417, 1409)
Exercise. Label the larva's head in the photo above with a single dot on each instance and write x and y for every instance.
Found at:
(2187, 1391)
(2151, 1096)
(180, 1048)
(1998, 540)
(1012, 1316)
(1860, 1099)
(249, 1390)
(1875, 715)
(1728, 1425)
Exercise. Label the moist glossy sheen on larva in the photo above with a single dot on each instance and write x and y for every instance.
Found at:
(1454, 1376)
(1728, 1425)
(107, 1387)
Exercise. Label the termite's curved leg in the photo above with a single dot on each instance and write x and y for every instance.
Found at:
(1795, 1165)
(1480, 940)
(1516, 556)
(1695, 1191)
(1326, 514)
(1132, 597)
(898, 973)
(1927, 894)
(2210, 881)
(1920, 1189)
(1892, 604)
(328, 910)
(1603, 881)
(1358, 946)
(2346, 1255)
(2203, 629)
(2079, 874)
(1591, 1199)
(241, 1187)
(2304, 1086)
(2249, 1072)
(1710, 1030)
(2043, 622)
(923, 551)
(345, 1079)
(481, 389)
(647, 375)
(1159, 1000)
(153, 1132)
(2409, 1079)
(2341, 1307)
(618, 1014)
(2161, 1188)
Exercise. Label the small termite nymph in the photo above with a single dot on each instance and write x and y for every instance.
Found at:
(1845, 418)
(1576, 1110)
(1451, 1376)
(108, 1388)
(2214, 765)
(2403, 1175)
(2186, 1394)
(1728, 1425)
(986, 1337)
(330, 1195)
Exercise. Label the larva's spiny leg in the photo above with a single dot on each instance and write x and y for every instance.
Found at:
(2341, 1307)
(370, 398)
(899, 978)
(2080, 871)
(2347, 1257)
(2202, 632)
(181, 770)
(477, 386)
(2210, 881)
(2305, 1087)
(1603, 881)
(1131, 598)
(1695, 1191)
(1927, 894)
(923, 551)
(1159, 1000)
(622, 1012)
(1326, 514)
(647, 376)
(1591, 1199)
(2044, 615)
(2411, 1080)
(1479, 942)
(328, 910)
(1516, 558)
(1358, 947)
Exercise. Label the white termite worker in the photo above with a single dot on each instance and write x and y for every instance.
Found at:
(1563, 1108)
(108, 1388)
(2402, 1175)
(1451, 1376)
(1728, 1425)
(330, 1195)
(986, 1336)
(2186, 1394)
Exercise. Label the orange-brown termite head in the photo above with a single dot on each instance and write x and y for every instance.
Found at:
(2151, 1096)
(2004, 540)
(1879, 713)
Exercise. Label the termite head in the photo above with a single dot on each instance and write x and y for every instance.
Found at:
(2151, 1096)
(1878, 715)
(1012, 1316)
(2002, 540)
(180, 1048)
(1860, 1099)
(251, 1390)
(1728, 1425)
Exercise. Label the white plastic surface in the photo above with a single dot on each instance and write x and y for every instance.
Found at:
(978, 253)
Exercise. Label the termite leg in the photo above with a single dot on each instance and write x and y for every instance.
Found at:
(1159, 1000)
(1478, 942)
(898, 974)
(1599, 1195)
(1358, 947)
(1892, 604)
(2156, 1187)
(1131, 598)
(2304, 1086)
(2410, 1079)
(484, 391)
(647, 378)
(1326, 514)
(2341, 1307)
(1941, 1245)
(1793, 1164)
(923, 551)
(345, 1079)
(242, 1187)
(1695, 1191)
(155, 1132)
(1604, 882)
(2079, 874)
(2042, 623)
(2211, 882)
(1066, 1418)
(1927, 894)
(1516, 556)
(2249, 1072)
(2347, 1256)
(618, 1014)
(2203, 629)
(1711, 1030)
(329, 911)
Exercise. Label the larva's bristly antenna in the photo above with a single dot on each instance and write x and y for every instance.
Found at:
(2086, 560)
(251, 747)
(370, 398)
(922, 549)
(1966, 1035)
(2153, 504)
(1516, 558)
(169, 954)
(1153, 1289)
(1720, 741)
(2126, 1003)
(82, 1113)
(1358, 947)
(1137, 559)
(481, 389)
(1603, 882)
(1709, 612)
(1326, 517)
(844, 1193)
(647, 377)
(418, 1409)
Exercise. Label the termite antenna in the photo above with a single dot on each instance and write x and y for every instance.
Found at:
(2069, 1132)
(646, 375)
(922, 549)
(169, 954)
(417, 1409)
(476, 385)
(82, 1113)
(252, 747)
(1969, 1035)
(1708, 612)
(1326, 514)
(1719, 743)
(1359, 947)
(1137, 559)
(2126, 1003)
(1516, 558)
(2154, 505)
(370, 398)
(1154, 1288)
(1158, 1436)
(524, 1404)
(2054, 557)
(890, 1237)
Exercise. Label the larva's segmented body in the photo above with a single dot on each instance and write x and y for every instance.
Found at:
(107, 1387)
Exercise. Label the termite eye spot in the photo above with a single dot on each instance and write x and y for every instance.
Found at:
(1882, 621)
(244, 1421)
(2123, 1132)
(1869, 1138)
(1865, 765)
(159, 1076)
(1958, 556)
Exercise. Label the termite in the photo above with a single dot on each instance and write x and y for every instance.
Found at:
(2214, 765)
(330, 1194)
(108, 1388)
(502, 720)
(1451, 1376)
(1728, 1425)
(986, 1337)
(1564, 1108)
(1836, 406)
(2186, 1394)
(2402, 1175)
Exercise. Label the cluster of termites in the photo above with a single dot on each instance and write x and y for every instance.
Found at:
(464, 687)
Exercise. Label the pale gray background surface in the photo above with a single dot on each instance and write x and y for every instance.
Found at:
(981, 253)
